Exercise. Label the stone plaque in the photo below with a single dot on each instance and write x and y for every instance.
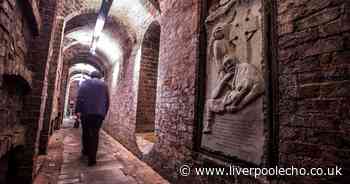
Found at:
(233, 116)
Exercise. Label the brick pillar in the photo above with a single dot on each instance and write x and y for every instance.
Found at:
(51, 86)
(35, 102)
(63, 90)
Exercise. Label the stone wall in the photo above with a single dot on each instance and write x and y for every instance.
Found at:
(314, 74)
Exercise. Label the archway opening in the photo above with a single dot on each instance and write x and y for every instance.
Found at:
(146, 104)
(13, 91)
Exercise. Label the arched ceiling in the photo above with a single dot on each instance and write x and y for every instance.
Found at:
(81, 68)
(108, 45)
(78, 77)
(124, 27)
(79, 53)
(135, 14)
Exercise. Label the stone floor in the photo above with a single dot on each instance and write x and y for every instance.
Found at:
(49, 165)
(115, 164)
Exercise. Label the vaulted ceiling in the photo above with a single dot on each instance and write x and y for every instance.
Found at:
(124, 27)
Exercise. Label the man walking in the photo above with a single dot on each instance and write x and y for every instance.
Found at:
(92, 106)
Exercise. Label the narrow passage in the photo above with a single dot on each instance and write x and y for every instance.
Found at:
(115, 164)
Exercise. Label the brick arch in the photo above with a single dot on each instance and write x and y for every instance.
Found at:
(80, 20)
(80, 54)
(73, 8)
(122, 32)
(86, 17)
(76, 52)
(74, 18)
(66, 10)
(146, 100)
(80, 17)
(77, 7)
(73, 73)
(155, 4)
(69, 18)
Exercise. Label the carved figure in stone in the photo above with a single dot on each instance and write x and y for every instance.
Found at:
(239, 81)
(221, 48)
(241, 84)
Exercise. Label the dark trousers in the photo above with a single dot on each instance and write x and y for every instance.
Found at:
(91, 125)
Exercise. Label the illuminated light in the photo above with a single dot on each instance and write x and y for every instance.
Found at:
(115, 76)
(99, 26)
(83, 67)
(137, 67)
(93, 47)
(107, 45)
(100, 22)
(97, 33)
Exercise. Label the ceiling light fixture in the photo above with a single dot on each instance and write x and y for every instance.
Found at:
(100, 22)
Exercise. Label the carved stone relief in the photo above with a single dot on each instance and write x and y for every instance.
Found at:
(233, 116)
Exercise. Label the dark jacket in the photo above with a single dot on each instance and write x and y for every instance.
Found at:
(93, 98)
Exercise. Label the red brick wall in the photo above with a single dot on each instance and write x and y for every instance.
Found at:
(123, 82)
(21, 50)
(314, 74)
(13, 50)
(148, 80)
(121, 119)
(11, 107)
(15, 35)
(175, 116)
(313, 83)
(34, 105)
(50, 112)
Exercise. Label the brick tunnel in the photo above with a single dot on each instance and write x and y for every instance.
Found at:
(196, 87)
